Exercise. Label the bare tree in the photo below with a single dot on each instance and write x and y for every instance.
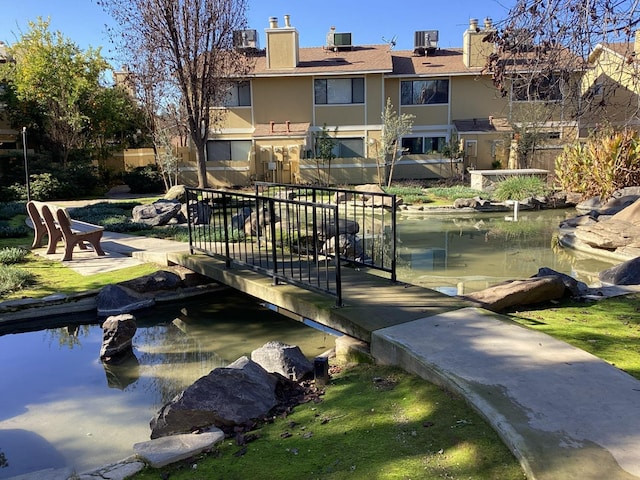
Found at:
(188, 45)
(394, 127)
(543, 49)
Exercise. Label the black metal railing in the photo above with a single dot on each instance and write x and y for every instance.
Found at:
(367, 227)
(295, 234)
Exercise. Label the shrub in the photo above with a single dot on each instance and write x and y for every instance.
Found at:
(8, 210)
(607, 162)
(144, 180)
(11, 255)
(519, 188)
(8, 231)
(457, 191)
(44, 186)
(14, 278)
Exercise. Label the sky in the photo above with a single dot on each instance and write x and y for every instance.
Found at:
(369, 22)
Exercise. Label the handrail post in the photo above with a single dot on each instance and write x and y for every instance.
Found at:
(394, 239)
(336, 247)
(227, 259)
(191, 250)
(272, 227)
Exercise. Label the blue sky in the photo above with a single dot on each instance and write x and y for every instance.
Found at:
(83, 21)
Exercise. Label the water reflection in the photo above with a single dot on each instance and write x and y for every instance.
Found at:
(460, 254)
(66, 404)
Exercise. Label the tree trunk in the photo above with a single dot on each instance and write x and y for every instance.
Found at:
(201, 162)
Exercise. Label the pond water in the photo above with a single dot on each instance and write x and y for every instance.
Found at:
(61, 407)
(461, 253)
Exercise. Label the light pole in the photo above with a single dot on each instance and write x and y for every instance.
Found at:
(26, 165)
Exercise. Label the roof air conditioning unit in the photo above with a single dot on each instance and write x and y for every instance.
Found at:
(245, 39)
(425, 41)
(339, 41)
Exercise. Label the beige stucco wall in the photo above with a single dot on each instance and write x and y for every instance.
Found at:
(283, 98)
(476, 97)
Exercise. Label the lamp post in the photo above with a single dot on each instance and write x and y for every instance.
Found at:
(26, 165)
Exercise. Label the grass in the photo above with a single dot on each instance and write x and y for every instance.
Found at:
(373, 423)
(608, 329)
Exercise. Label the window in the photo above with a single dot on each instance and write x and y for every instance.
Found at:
(218, 150)
(339, 91)
(421, 145)
(424, 92)
(239, 95)
(536, 89)
(347, 148)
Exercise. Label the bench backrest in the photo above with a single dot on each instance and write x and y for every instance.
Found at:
(34, 209)
(48, 214)
(64, 221)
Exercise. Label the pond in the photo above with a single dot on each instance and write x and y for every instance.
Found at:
(462, 253)
(61, 407)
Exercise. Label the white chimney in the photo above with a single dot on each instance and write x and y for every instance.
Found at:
(286, 21)
(273, 22)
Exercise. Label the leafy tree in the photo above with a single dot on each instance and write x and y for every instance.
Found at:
(325, 145)
(52, 75)
(453, 150)
(188, 44)
(114, 122)
(394, 127)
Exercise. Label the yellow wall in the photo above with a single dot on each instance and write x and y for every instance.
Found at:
(281, 99)
(476, 97)
(332, 115)
(238, 117)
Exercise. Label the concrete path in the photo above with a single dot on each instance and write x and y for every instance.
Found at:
(564, 413)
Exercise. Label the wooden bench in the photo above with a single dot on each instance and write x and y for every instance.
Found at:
(56, 223)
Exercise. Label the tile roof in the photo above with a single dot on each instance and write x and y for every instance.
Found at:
(318, 60)
(369, 58)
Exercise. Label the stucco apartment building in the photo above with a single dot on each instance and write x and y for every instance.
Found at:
(293, 93)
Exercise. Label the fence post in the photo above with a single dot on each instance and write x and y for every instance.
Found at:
(227, 259)
(394, 240)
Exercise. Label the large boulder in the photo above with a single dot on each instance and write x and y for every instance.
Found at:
(117, 337)
(519, 292)
(226, 397)
(617, 231)
(117, 299)
(287, 360)
(627, 273)
(573, 286)
(160, 280)
(177, 192)
(157, 213)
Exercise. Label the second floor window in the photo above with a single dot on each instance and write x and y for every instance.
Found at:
(239, 95)
(425, 92)
(547, 89)
(332, 91)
